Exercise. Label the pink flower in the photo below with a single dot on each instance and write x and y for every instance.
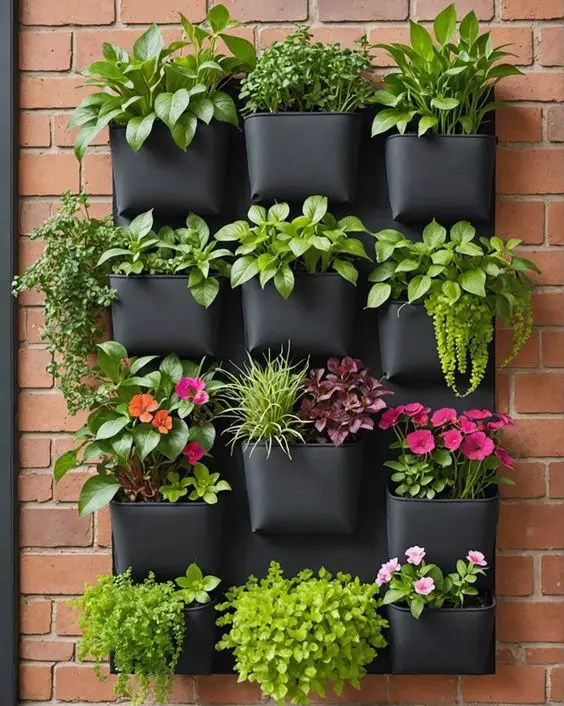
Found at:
(442, 416)
(193, 452)
(424, 586)
(413, 408)
(190, 388)
(421, 418)
(478, 414)
(466, 426)
(504, 457)
(477, 446)
(390, 417)
(476, 558)
(392, 565)
(415, 555)
(502, 421)
(383, 577)
(420, 442)
(201, 397)
(451, 439)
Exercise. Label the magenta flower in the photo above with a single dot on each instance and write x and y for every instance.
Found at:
(421, 419)
(413, 408)
(420, 442)
(201, 397)
(451, 439)
(504, 457)
(476, 558)
(477, 446)
(390, 417)
(415, 555)
(193, 452)
(424, 586)
(442, 416)
(383, 577)
(466, 426)
(190, 388)
(502, 421)
(478, 414)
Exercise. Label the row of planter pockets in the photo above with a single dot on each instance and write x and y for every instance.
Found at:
(293, 155)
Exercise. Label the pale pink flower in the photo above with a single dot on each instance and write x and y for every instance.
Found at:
(504, 457)
(466, 426)
(476, 558)
(415, 555)
(442, 416)
(477, 446)
(383, 577)
(451, 439)
(420, 442)
(478, 414)
(390, 417)
(392, 565)
(424, 586)
(201, 397)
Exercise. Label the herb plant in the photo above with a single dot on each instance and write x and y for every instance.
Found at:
(341, 401)
(158, 82)
(195, 587)
(201, 485)
(445, 86)
(297, 74)
(422, 585)
(146, 425)
(76, 293)
(183, 251)
(274, 247)
(463, 286)
(446, 454)
(296, 635)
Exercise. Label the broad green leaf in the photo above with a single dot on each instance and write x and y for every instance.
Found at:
(407, 265)
(218, 18)
(469, 249)
(284, 281)
(384, 121)
(451, 290)
(384, 250)
(184, 130)
(111, 253)
(386, 97)
(278, 212)
(172, 367)
(469, 28)
(138, 130)
(122, 445)
(315, 207)
(444, 25)
(434, 235)
(352, 246)
(321, 243)
(421, 40)
(244, 269)
(347, 270)
(232, 231)
(299, 246)
(257, 214)
(435, 270)
(112, 52)
(418, 287)
(441, 257)
(383, 272)
(111, 428)
(379, 293)
(352, 224)
(462, 232)
(149, 45)
(389, 236)
(204, 434)
(203, 108)
(96, 493)
(426, 123)
(146, 439)
(139, 363)
(170, 106)
(224, 108)
(242, 49)
(473, 281)
(206, 291)
(65, 463)
(445, 103)
(85, 136)
(141, 225)
(172, 444)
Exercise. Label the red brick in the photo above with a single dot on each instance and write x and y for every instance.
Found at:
(529, 480)
(553, 349)
(29, 251)
(35, 452)
(528, 356)
(520, 219)
(556, 479)
(549, 261)
(417, 689)
(520, 39)
(35, 130)
(183, 690)
(511, 684)
(556, 222)
(363, 10)
(35, 682)
(383, 34)
(429, 9)
(533, 86)
(46, 411)
(514, 575)
(67, 490)
(35, 322)
(88, 42)
(531, 526)
(103, 528)
(531, 10)
(63, 137)
(548, 308)
(52, 91)
(48, 50)
(373, 689)
(544, 655)
(530, 171)
(224, 689)
(54, 527)
(35, 487)
(63, 574)
(66, 619)
(346, 36)
(80, 683)
(502, 392)
(33, 214)
(536, 437)
(32, 363)
(44, 650)
(529, 621)
(519, 124)
(97, 174)
(539, 392)
(67, 12)
(552, 575)
(552, 46)
(62, 444)
(505, 656)
(557, 684)
(555, 123)
(146, 11)
(35, 617)
(46, 173)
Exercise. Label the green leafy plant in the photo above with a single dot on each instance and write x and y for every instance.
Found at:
(463, 286)
(297, 74)
(141, 624)
(446, 87)
(76, 293)
(183, 251)
(205, 485)
(145, 425)
(195, 587)
(297, 635)
(274, 248)
(157, 82)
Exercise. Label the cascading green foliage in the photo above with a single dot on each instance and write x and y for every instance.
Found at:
(297, 635)
(463, 286)
(76, 292)
(141, 625)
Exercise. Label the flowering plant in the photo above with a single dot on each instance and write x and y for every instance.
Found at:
(147, 427)
(420, 584)
(341, 402)
(457, 455)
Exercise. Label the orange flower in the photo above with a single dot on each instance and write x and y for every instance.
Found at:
(162, 421)
(141, 406)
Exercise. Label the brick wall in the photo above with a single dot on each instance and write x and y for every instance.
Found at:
(60, 551)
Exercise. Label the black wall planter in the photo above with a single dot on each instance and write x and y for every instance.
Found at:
(164, 177)
(318, 317)
(446, 641)
(157, 315)
(447, 177)
(294, 155)
(407, 342)
(314, 492)
(198, 651)
(446, 528)
(166, 537)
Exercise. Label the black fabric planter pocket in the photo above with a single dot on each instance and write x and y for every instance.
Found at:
(164, 177)
(166, 537)
(316, 491)
(447, 529)
(294, 155)
(317, 318)
(447, 177)
(198, 651)
(446, 641)
(408, 348)
(157, 315)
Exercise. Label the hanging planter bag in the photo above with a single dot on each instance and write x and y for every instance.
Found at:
(166, 538)
(157, 315)
(317, 318)
(445, 641)
(446, 177)
(164, 177)
(198, 650)
(293, 155)
(316, 491)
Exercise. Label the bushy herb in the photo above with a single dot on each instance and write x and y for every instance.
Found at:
(195, 587)
(444, 86)
(297, 74)
(298, 635)
(463, 286)
(183, 251)
(76, 293)
(341, 401)
(274, 248)
(153, 84)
